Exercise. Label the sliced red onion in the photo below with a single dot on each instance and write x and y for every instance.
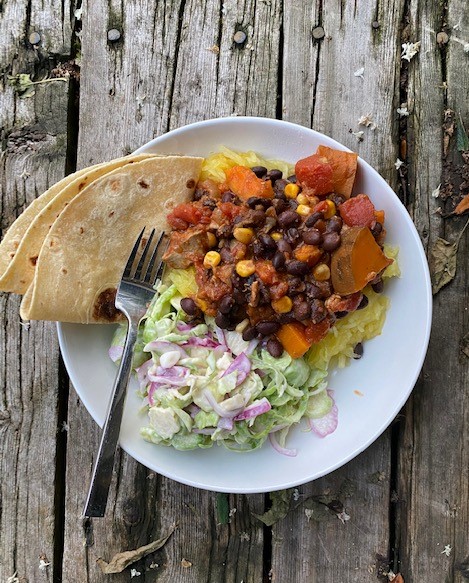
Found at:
(183, 326)
(193, 409)
(276, 428)
(151, 392)
(115, 352)
(283, 450)
(256, 408)
(225, 423)
(163, 346)
(216, 406)
(176, 376)
(242, 365)
(202, 342)
(252, 346)
(142, 372)
(221, 337)
(327, 424)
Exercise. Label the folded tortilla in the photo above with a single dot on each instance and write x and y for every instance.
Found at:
(85, 251)
(20, 248)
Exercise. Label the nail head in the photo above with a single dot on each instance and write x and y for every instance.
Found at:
(318, 33)
(113, 35)
(375, 24)
(239, 37)
(442, 38)
(34, 38)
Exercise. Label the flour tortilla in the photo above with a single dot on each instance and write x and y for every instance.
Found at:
(85, 251)
(20, 248)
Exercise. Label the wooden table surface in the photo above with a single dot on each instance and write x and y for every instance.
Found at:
(320, 63)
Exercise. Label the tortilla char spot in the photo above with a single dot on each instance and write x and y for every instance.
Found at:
(111, 214)
(81, 185)
(190, 183)
(143, 242)
(143, 184)
(22, 281)
(12, 255)
(115, 185)
(104, 306)
(81, 230)
(33, 260)
(51, 243)
(64, 271)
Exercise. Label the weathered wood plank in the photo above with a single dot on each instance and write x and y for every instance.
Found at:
(32, 157)
(433, 487)
(116, 85)
(337, 94)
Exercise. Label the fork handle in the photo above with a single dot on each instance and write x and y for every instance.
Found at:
(102, 472)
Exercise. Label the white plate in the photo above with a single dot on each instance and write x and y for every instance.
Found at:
(385, 375)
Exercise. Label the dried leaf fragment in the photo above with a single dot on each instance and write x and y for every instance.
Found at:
(279, 509)
(122, 560)
(397, 579)
(185, 563)
(463, 206)
(443, 257)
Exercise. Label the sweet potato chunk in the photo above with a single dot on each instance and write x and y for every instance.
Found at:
(357, 261)
(293, 339)
(245, 184)
(344, 168)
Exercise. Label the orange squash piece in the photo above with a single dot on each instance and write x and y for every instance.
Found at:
(357, 261)
(245, 184)
(344, 168)
(293, 339)
(316, 332)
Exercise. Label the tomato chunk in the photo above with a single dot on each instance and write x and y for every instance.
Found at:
(358, 211)
(245, 184)
(315, 173)
(184, 212)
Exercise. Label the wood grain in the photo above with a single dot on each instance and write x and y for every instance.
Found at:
(33, 138)
(433, 486)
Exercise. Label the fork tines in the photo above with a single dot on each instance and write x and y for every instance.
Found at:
(142, 268)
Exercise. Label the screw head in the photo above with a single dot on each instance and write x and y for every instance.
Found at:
(318, 33)
(113, 35)
(442, 38)
(34, 38)
(239, 37)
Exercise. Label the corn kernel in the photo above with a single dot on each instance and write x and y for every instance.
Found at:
(321, 272)
(292, 190)
(245, 268)
(202, 304)
(212, 240)
(302, 199)
(283, 305)
(211, 259)
(304, 210)
(243, 235)
(276, 236)
(331, 209)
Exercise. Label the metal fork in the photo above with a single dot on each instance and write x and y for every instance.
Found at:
(134, 293)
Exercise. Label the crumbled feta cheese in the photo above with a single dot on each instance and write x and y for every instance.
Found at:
(64, 426)
(358, 136)
(409, 50)
(343, 516)
(403, 111)
(154, 565)
(359, 72)
(43, 565)
(398, 163)
(134, 573)
(447, 550)
(436, 192)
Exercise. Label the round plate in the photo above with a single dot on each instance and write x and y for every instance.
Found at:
(369, 392)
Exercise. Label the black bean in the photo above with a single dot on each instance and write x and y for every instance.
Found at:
(292, 204)
(274, 175)
(278, 261)
(266, 241)
(284, 246)
(340, 315)
(363, 303)
(378, 286)
(288, 218)
(259, 171)
(222, 320)
(253, 201)
(295, 267)
(334, 225)
(274, 348)
(296, 285)
(312, 237)
(199, 193)
(225, 255)
(258, 249)
(292, 235)
(302, 311)
(337, 199)
(313, 292)
(210, 203)
(312, 219)
(318, 311)
(279, 186)
(280, 205)
(286, 318)
(331, 241)
(189, 306)
(239, 297)
(258, 217)
(292, 178)
(358, 351)
(376, 228)
(229, 196)
(224, 232)
(226, 304)
(249, 333)
(266, 328)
